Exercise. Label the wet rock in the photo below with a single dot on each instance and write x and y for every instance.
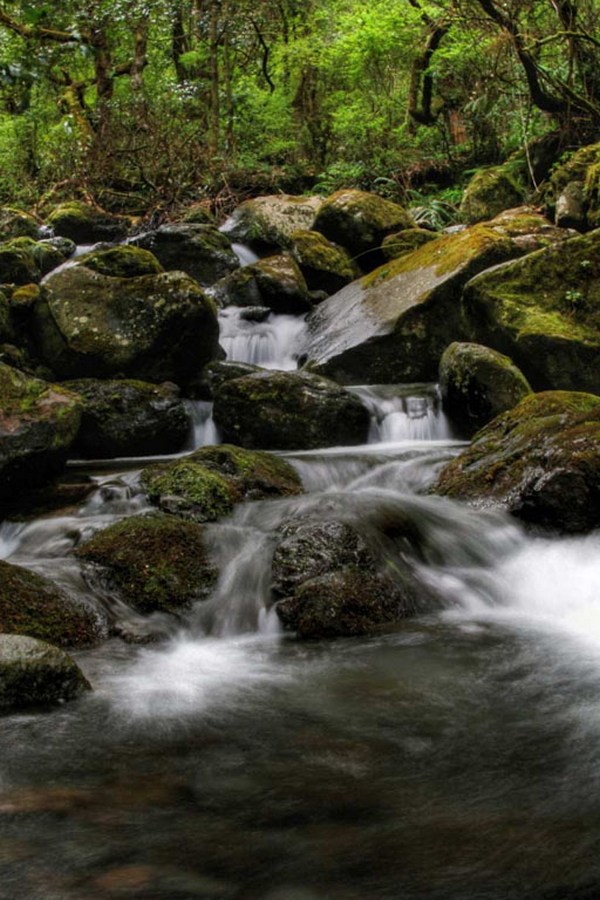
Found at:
(396, 245)
(325, 266)
(493, 190)
(155, 327)
(221, 371)
(155, 563)
(25, 261)
(202, 251)
(86, 224)
(33, 673)
(38, 424)
(15, 223)
(205, 485)
(543, 312)
(540, 461)
(289, 411)
(393, 325)
(477, 384)
(255, 313)
(275, 282)
(359, 221)
(34, 606)
(129, 418)
(570, 207)
(267, 223)
(121, 262)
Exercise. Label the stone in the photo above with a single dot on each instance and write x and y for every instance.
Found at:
(288, 411)
(16, 223)
(540, 461)
(34, 673)
(275, 282)
(492, 190)
(581, 167)
(201, 251)
(86, 224)
(477, 384)
(123, 261)
(402, 242)
(570, 209)
(25, 261)
(129, 418)
(325, 266)
(267, 223)
(38, 425)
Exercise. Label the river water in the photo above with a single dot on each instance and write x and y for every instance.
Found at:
(457, 758)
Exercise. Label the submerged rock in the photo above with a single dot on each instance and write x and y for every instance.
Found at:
(33, 605)
(268, 223)
(202, 251)
(543, 311)
(540, 461)
(156, 563)
(33, 673)
(205, 485)
(477, 384)
(86, 224)
(38, 424)
(289, 411)
(129, 418)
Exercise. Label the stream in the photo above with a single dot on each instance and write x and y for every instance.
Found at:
(455, 759)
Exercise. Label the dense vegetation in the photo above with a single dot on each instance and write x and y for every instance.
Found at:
(143, 103)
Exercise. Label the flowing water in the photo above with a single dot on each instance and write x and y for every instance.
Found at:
(454, 759)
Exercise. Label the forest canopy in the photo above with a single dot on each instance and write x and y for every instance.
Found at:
(140, 102)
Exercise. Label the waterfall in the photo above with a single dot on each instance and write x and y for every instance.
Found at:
(272, 344)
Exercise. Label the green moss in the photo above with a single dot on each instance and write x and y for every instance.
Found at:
(493, 190)
(16, 223)
(25, 296)
(201, 494)
(121, 262)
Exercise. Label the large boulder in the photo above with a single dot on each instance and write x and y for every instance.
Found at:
(267, 223)
(33, 605)
(492, 190)
(275, 282)
(576, 177)
(25, 261)
(543, 311)
(540, 461)
(359, 221)
(394, 324)
(38, 424)
(477, 384)
(202, 251)
(289, 411)
(206, 484)
(86, 224)
(155, 327)
(327, 582)
(156, 563)
(325, 266)
(123, 261)
(129, 418)
(33, 673)
(16, 223)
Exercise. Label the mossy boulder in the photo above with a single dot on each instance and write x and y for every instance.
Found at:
(570, 209)
(275, 282)
(544, 312)
(324, 265)
(218, 372)
(86, 224)
(492, 190)
(34, 673)
(33, 605)
(157, 327)
(25, 261)
(540, 461)
(267, 223)
(198, 215)
(477, 384)
(123, 261)
(393, 325)
(327, 582)
(38, 424)
(15, 223)
(156, 563)
(129, 418)
(202, 251)
(581, 168)
(402, 242)
(360, 221)
(528, 228)
(289, 411)
(205, 485)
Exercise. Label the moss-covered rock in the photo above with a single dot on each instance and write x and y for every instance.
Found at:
(544, 312)
(129, 418)
(493, 190)
(6, 323)
(198, 215)
(34, 673)
(267, 223)
(25, 261)
(540, 461)
(324, 265)
(275, 282)
(477, 384)
(33, 605)
(528, 228)
(396, 245)
(202, 251)
(570, 209)
(359, 221)
(15, 223)
(156, 563)
(289, 411)
(582, 168)
(124, 261)
(38, 424)
(86, 224)
(394, 324)
(206, 484)
(152, 327)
